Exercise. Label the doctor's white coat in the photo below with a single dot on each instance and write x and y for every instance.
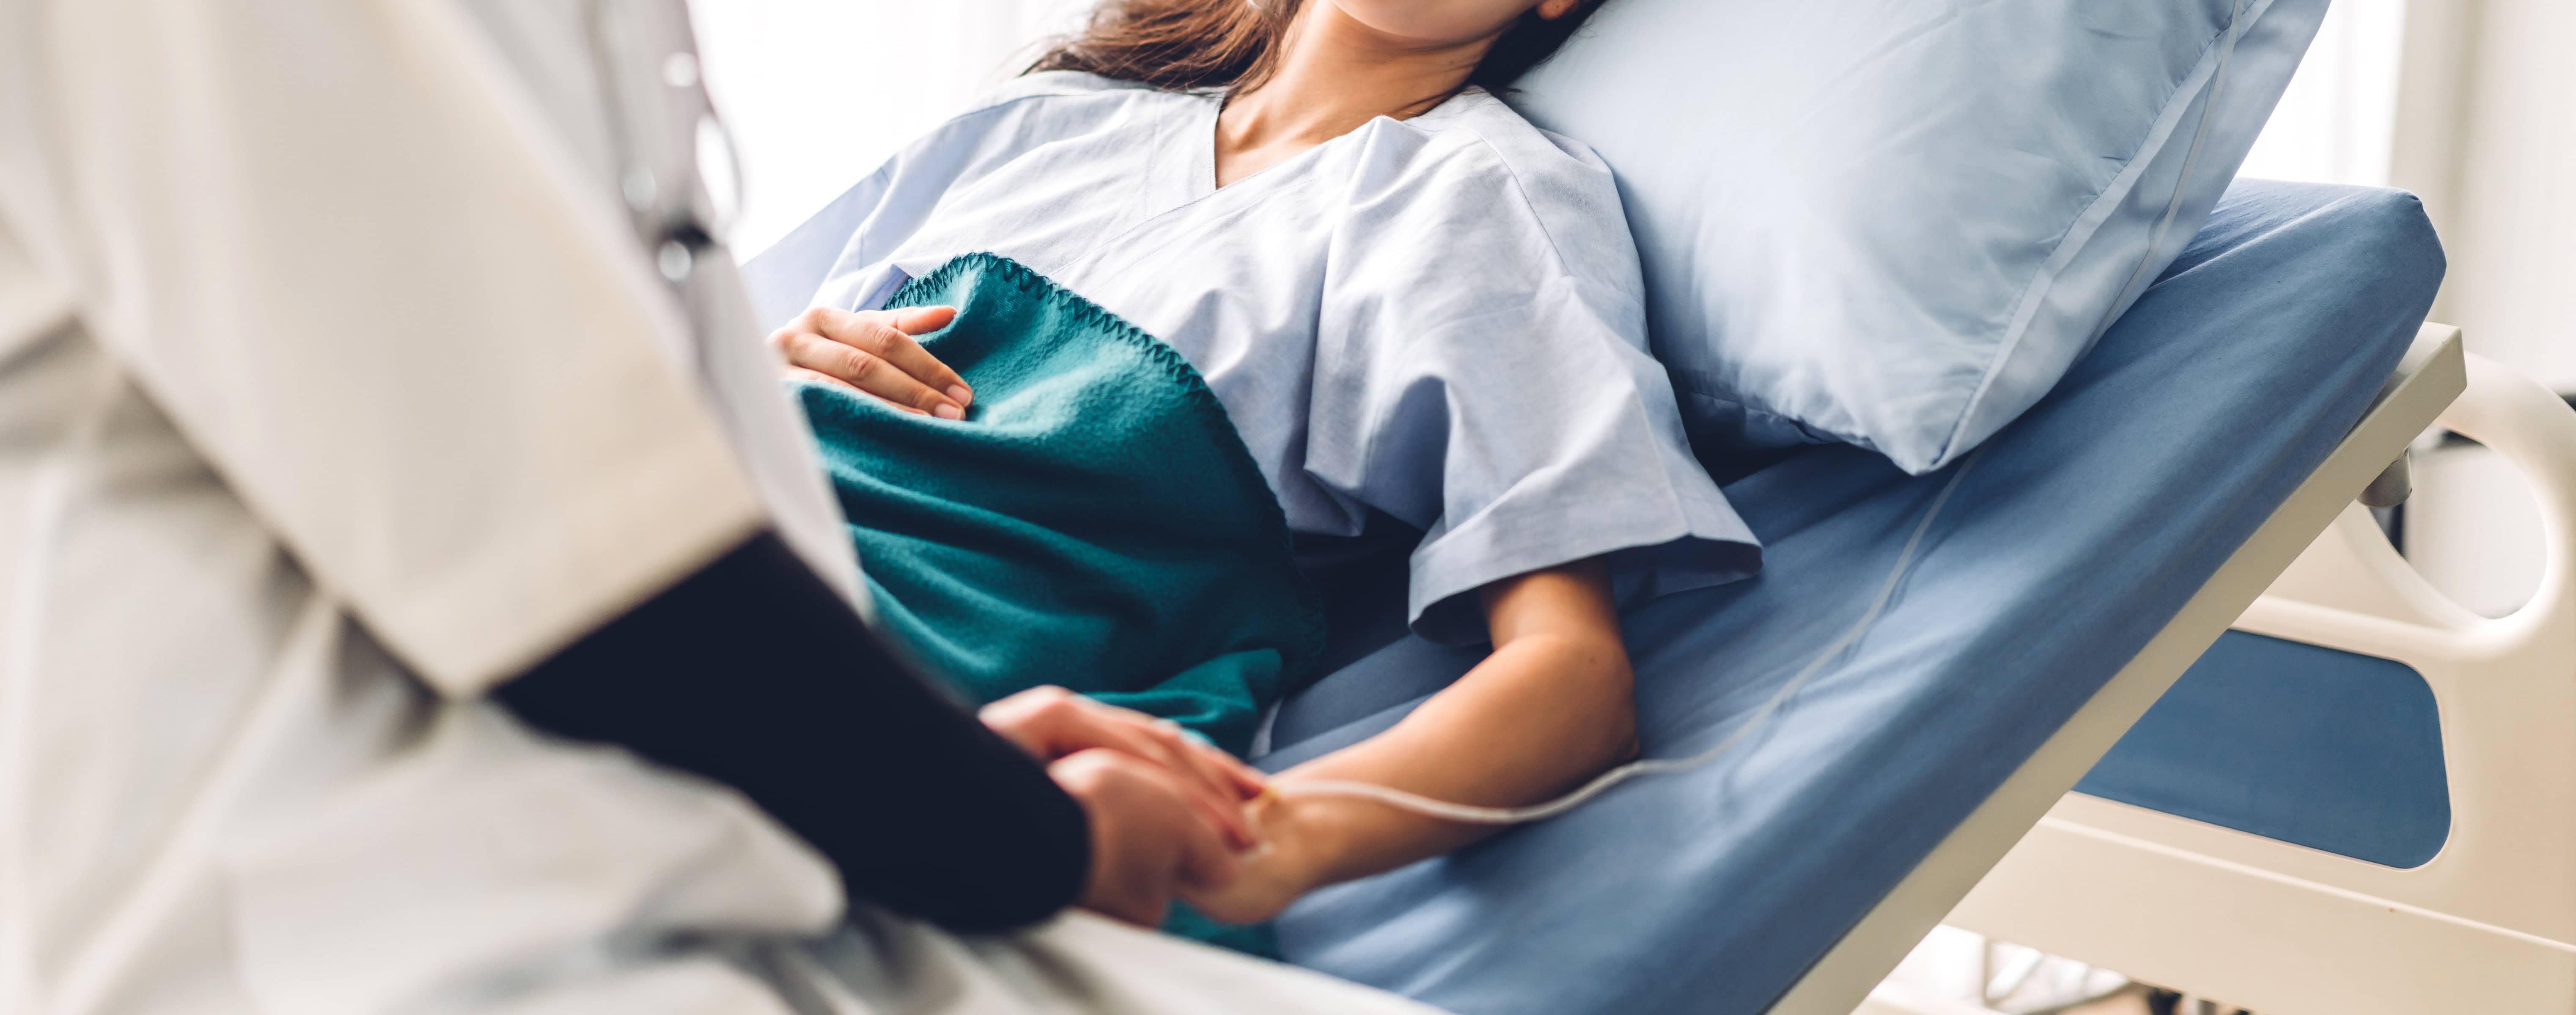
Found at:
(335, 387)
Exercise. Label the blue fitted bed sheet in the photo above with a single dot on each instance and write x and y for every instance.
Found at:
(2077, 535)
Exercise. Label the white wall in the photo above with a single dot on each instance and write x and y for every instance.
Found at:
(2472, 105)
(2503, 196)
(818, 92)
(2486, 133)
(2335, 122)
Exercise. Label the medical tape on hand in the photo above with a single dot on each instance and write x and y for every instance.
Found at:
(1472, 814)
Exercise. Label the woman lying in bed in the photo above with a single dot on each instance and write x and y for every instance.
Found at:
(1412, 305)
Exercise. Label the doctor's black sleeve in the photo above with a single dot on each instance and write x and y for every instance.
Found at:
(753, 673)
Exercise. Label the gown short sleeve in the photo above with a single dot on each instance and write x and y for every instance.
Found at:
(1482, 374)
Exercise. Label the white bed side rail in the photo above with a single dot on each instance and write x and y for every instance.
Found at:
(2489, 924)
(2352, 581)
(2428, 377)
(2505, 686)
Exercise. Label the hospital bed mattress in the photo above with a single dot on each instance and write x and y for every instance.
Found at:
(2075, 536)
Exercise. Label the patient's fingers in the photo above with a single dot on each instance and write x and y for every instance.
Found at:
(819, 377)
(867, 372)
(887, 335)
(874, 351)
(923, 320)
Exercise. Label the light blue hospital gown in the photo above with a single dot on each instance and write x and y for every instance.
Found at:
(1435, 318)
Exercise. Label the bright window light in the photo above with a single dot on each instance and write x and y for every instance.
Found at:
(2334, 123)
(817, 93)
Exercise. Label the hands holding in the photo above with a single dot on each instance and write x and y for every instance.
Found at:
(874, 351)
(1167, 812)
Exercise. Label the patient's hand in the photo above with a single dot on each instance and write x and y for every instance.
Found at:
(873, 351)
(1148, 841)
(1293, 859)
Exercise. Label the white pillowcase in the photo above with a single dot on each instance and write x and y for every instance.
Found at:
(1897, 222)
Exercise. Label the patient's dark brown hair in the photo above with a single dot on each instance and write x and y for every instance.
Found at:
(1233, 45)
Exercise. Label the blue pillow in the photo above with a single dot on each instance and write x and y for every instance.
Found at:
(1897, 222)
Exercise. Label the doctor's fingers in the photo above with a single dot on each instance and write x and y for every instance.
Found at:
(1221, 771)
(1181, 748)
(1051, 723)
(877, 354)
(1222, 768)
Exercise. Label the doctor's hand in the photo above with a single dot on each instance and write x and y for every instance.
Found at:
(1149, 841)
(1053, 723)
(874, 351)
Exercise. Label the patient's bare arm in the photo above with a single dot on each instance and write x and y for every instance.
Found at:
(1553, 706)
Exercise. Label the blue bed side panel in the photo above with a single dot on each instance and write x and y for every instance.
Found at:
(2327, 749)
(2079, 533)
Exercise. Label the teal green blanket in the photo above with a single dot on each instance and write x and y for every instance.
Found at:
(1095, 522)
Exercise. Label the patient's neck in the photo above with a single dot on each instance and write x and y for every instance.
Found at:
(1334, 74)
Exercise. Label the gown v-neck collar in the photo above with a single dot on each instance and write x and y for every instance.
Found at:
(1189, 175)
(1200, 133)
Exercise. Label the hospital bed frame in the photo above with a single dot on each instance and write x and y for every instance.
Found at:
(2109, 885)
(2488, 924)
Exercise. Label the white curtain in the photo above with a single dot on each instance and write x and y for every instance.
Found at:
(816, 93)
